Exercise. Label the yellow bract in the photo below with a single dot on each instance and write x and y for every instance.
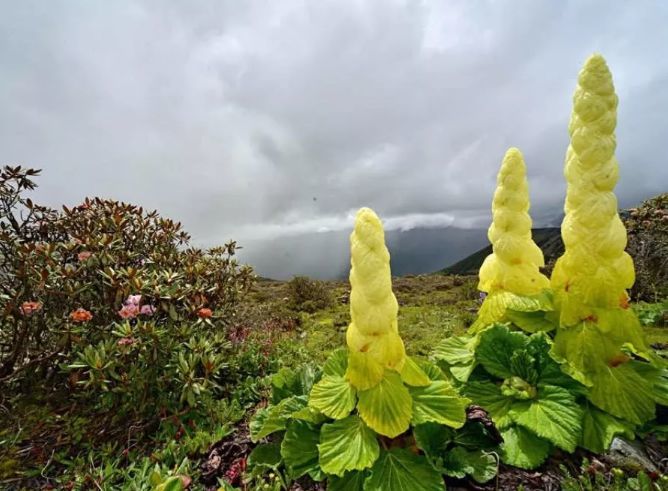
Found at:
(594, 272)
(513, 265)
(373, 335)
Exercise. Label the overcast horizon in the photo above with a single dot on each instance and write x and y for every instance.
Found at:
(272, 122)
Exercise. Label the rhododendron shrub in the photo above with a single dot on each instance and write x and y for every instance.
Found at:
(113, 295)
(372, 418)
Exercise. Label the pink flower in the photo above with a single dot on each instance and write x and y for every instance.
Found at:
(81, 315)
(125, 342)
(28, 308)
(84, 256)
(133, 300)
(147, 309)
(129, 311)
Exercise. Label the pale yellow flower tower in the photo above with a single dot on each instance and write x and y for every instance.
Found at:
(515, 261)
(513, 268)
(595, 271)
(373, 335)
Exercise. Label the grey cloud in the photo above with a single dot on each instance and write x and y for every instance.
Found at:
(247, 119)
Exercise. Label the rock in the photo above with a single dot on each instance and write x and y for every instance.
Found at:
(629, 456)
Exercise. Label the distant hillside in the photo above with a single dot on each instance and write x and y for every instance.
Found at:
(548, 239)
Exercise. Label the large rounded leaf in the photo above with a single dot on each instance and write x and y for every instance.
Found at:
(387, 407)
(333, 396)
(413, 375)
(401, 470)
(346, 445)
(523, 449)
(554, 415)
(351, 481)
(439, 402)
(299, 448)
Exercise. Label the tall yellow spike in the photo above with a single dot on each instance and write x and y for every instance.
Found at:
(373, 336)
(594, 272)
(514, 263)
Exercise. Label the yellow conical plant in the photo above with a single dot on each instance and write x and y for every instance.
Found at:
(595, 271)
(598, 333)
(511, 273)
(515, 261)
(373, 337)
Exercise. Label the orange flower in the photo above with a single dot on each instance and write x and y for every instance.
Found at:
(29, 308)
(81, 315)
(84, 256)
(204, 313)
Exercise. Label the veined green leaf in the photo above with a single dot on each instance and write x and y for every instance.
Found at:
(459, 462)
(488, 395)
(274, 418)
(456, 350)
(386, 408)
(599, 428)
(351, 481)
(530, 321)
(310, 415)
(413, 375)
(333, 396)
(401, 470)
(523, 449)
(337, 363)
(439, 402)
(347, 445)
(623, 392)
(433, 371)
(433, 438)
(299, 448)
(553, 415)
(496, 347)
(265, 455)
(292, 382)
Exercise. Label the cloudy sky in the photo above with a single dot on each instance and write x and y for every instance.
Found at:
(268, 120)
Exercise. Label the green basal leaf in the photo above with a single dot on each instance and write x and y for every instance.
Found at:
(351, 481)
(333, 396)
(292, 382)
(474, 435)
(657, 376)
(488, 395)
(462, 373)
(274, 418)
(530, 321)
(386, 408)
(480, 465)
(346, 445)
(440, 403)
(456, 350)
(432, 371)
(401, 470)
(496, 347)
(299, 448)
(553, 415)
(337, 363)
(433, 439)
(623, 392)
(599, 428)
(412, 374)
(266, 455)
(523, 449)
(310, 415)
(497, 304)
